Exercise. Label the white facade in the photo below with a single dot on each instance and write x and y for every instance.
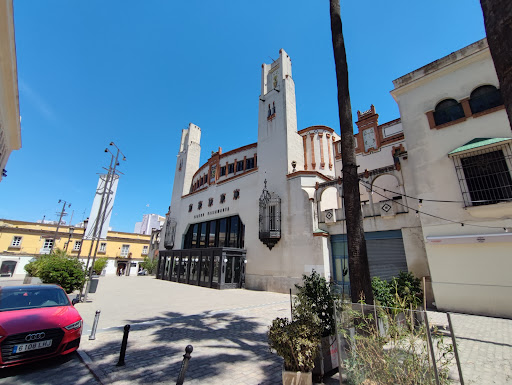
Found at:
(213, 190)
(406, 167)
(10, 130)
(469, 251)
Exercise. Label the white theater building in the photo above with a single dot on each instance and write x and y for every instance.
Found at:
(261, 215)
(255, 216)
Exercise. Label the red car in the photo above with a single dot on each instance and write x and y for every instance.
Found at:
(36, 321)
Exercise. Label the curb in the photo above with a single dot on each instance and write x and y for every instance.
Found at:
(95, 371)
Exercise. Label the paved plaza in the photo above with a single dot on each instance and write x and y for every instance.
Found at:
(228, 332)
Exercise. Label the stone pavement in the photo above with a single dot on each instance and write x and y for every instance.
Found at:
(484, 345)
(228, 331)
(56, 371)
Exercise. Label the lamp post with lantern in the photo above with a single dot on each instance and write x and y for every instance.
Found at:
(71, 230)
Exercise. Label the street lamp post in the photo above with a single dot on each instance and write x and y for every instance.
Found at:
(71, 230)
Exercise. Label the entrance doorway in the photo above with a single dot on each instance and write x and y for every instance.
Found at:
(121, 268)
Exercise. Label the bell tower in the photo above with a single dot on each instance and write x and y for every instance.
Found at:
(278, 141)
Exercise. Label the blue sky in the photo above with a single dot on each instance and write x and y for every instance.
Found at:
(137, 72)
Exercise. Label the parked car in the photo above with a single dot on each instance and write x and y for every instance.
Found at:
(36, 322)
(142, 272)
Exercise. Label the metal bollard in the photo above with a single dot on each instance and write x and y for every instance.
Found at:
(123, 345)
(95, 325)
(184, 364)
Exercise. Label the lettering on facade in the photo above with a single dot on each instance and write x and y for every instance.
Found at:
(225, 209)
(218, 211)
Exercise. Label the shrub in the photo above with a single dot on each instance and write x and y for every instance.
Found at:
(403, 291)
(58, 268)
(317, 291)
(400, 357)
(382, 292)
(297, 340)
(99, 265)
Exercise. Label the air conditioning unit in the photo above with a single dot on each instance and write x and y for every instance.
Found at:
(330, 216)
(387, 209)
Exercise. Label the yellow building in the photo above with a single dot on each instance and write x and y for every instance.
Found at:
(22, 241)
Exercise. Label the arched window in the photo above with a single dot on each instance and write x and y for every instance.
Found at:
(484, 98)
(447, 111)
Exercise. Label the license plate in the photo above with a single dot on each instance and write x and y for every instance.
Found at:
(31, 346)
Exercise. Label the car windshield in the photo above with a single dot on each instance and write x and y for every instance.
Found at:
(30, 298)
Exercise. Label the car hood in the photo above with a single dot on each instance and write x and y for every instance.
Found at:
(19, 321)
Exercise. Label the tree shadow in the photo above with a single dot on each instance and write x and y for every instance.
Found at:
(221, 341)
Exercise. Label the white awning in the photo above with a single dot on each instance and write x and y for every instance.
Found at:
(472, 238)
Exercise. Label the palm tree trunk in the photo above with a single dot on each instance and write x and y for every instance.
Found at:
(498, 26)
(360, 283)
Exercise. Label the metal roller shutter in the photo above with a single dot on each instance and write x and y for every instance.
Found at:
(386, 257)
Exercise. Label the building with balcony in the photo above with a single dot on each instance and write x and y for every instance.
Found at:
(21, 241)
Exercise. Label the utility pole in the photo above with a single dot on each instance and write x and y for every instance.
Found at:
(62, 213)
(102, 212)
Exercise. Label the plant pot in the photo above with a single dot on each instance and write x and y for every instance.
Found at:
(326, 362)
(297, 378)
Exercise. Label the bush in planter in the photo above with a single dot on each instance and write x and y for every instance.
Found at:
(297, 340)
(317, 291)
(403, 291)
(58, 268)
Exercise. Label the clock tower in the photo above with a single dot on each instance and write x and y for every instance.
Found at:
(367, 123)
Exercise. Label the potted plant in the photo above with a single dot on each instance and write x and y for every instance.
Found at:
(317, 291)
(297, 342)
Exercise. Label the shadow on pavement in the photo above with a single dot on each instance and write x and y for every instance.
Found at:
(222, 342)
(59, 370)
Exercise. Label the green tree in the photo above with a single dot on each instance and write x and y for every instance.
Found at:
(58, 268)
(149, 264)
(99, 265)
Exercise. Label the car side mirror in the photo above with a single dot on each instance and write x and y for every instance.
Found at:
(74, 301)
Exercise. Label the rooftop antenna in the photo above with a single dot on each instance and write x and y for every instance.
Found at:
(271, 59)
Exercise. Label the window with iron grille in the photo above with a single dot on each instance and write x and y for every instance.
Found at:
(269, 218)
(77, 245)
(484, 175)
(103, 247)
